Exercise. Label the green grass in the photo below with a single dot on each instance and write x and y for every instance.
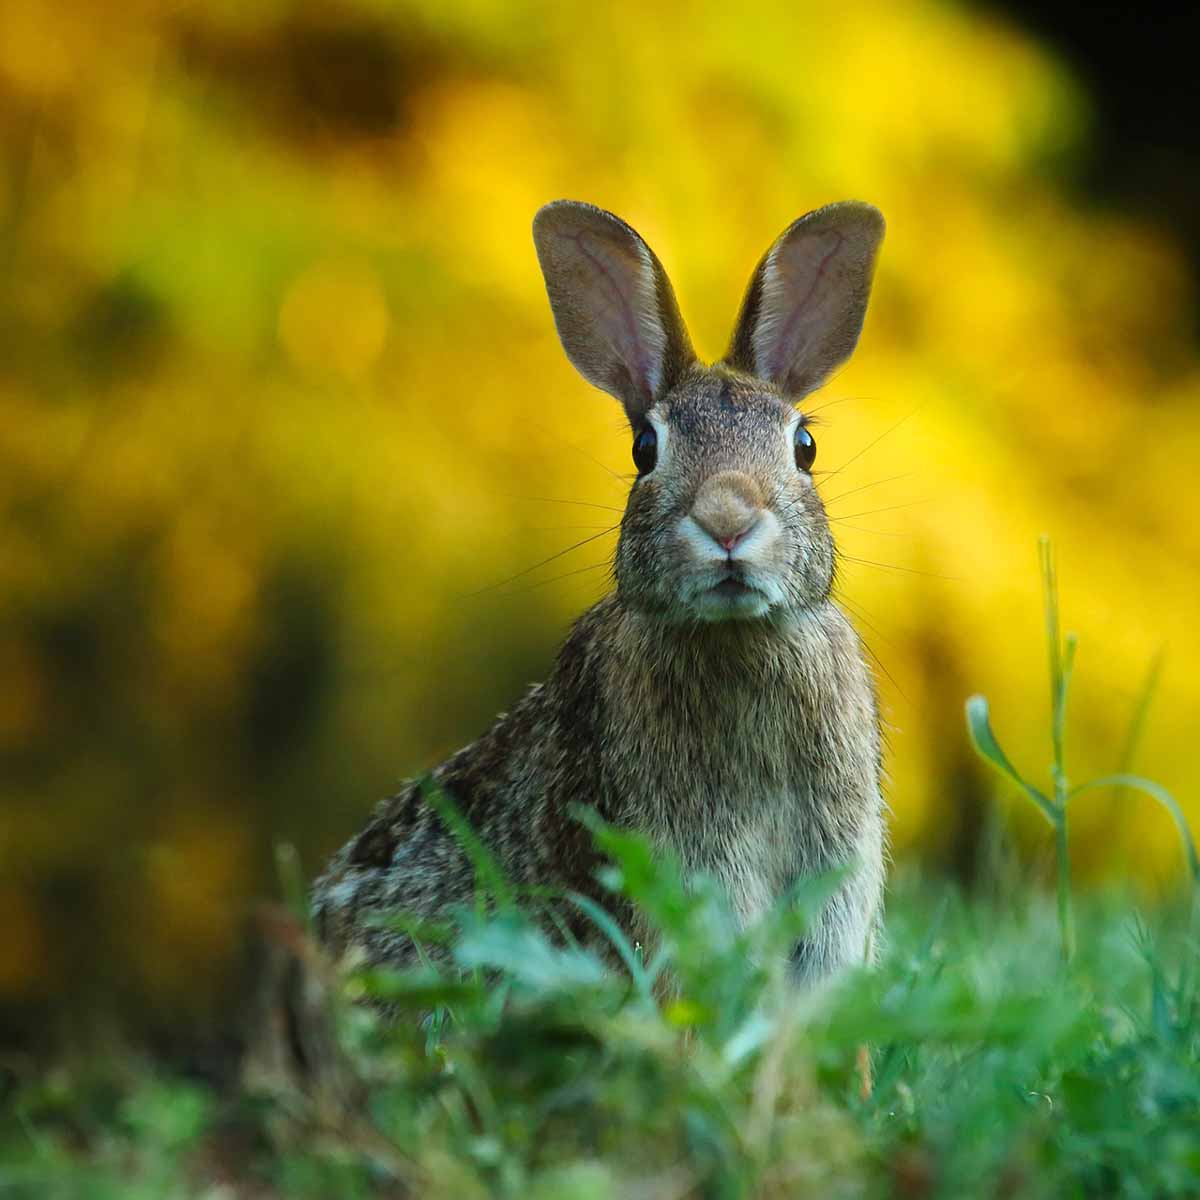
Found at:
(1021, 1044)
(998, 1070)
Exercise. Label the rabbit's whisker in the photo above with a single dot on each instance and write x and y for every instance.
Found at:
(581, 503)
(866, 486)
(872, 444)
(565, 575)
(867, 562)
(870, 512)
(786, 506)
(545, 561)
(870, 649)
(561, 528)
(812, 412)
(858, 612)
(593, 459)
(876, 532)
(835, 375)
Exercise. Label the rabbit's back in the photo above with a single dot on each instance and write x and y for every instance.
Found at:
(514, 787)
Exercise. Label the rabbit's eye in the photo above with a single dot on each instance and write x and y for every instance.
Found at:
(806, 448)
(645, 450)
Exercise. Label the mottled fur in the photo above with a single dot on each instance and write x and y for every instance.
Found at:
(718, 700)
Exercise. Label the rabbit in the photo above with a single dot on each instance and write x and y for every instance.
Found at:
(718, 700)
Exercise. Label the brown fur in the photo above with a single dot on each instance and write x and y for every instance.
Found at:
(718, 701)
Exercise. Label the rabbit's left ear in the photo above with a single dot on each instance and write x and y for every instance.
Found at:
(613, 305)
(807, 299)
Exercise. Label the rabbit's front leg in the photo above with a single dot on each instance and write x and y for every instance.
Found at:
(844, 933)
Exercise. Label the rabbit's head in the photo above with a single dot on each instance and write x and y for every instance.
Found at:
(723, 522)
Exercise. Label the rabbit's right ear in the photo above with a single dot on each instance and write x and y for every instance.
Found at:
(807, 299)
(613, 305)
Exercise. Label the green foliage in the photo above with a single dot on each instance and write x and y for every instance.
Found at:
(526, 1066)
(1054, 806)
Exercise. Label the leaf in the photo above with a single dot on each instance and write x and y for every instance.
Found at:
(984, 740)
(602, 919)
(415, 989)
(1159, 793)
(685, 1013)
(512, 944)
(488, 875)
(809, 894)
(419, 929)
(749, 1038)
(640, 871)
(650, 877)
(792, 915)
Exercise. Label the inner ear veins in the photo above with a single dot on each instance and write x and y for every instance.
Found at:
(643, 357)
(779, 321)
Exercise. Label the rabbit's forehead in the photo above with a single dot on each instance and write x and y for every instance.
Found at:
(717, 410)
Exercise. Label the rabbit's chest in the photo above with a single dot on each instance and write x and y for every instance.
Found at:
(757, 818)
(757, 773)
(754, 848)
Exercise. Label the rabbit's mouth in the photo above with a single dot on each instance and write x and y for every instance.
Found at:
(731, 597)
(732, 588)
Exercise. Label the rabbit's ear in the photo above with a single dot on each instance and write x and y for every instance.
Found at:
(807, 299)
(613, 305)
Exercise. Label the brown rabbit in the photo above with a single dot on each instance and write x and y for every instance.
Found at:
(718, 699)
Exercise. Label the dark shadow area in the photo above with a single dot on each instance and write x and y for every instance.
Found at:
(1137, 63)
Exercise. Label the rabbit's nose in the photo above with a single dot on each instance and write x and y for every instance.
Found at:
(727, 507)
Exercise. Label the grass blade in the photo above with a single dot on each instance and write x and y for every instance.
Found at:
(611, 930)
(488, 875)
(984, 740)
(1141, 711)
(1159, 793)
(1053, 640)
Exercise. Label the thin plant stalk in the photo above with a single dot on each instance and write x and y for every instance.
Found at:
(1053, 806)
(1062, 659)
(1066, 920)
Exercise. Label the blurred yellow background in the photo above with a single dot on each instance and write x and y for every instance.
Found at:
(281, 401)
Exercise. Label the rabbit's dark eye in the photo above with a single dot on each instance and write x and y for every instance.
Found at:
(806, 448)
(645, 450)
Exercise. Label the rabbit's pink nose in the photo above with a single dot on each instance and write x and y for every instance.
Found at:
(730, 541)
(727, 507)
